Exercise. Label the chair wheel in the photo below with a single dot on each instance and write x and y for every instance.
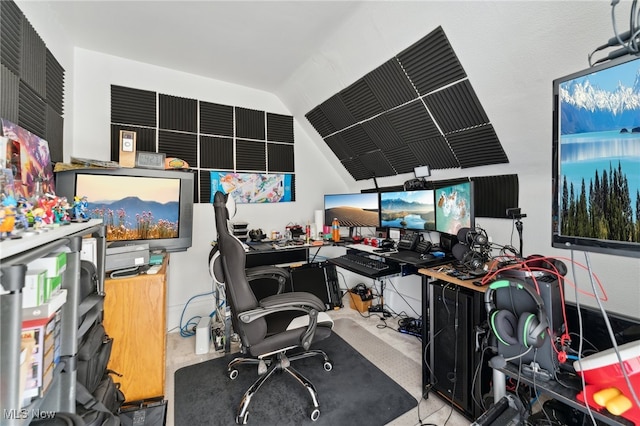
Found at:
(242, 420)
(328, 366)
(232, 375)
(315, 414)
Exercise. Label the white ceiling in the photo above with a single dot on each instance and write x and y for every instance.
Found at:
(251, 43)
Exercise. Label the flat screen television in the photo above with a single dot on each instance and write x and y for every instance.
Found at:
(454, 208)
(596, 159)
(352, 210)
(136, 205)
(408, 210)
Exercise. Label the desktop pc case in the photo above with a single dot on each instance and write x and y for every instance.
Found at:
(459, 372)
(320, 279)
(519, 302)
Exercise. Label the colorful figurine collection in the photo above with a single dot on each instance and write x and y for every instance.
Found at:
(25, 217)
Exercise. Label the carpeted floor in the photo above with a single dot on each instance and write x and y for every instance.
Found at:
(355, 392)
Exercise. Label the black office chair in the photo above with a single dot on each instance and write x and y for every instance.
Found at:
(264, 336)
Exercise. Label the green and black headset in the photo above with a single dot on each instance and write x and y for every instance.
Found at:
(527, 328)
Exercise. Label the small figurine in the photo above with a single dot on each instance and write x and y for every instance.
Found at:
(80, 209)
(61, 211)
(8, 217)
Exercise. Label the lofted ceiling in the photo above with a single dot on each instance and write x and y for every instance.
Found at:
(255, 44)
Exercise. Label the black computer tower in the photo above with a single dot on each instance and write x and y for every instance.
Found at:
(459, 372)
(319, 278)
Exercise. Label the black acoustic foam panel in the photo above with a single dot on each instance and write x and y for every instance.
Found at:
(280, 158)
(250, 124)
(279, 128)
(33, 59)
(177, 113)
(419, 103)
(10, 36)
(216, 119)
(216, 152)
(133, 106)
(31, 111)
(251, 156)
(179, 144)
(54, 132)
(55, 84)
(10, 89)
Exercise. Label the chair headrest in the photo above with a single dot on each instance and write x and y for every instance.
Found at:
(221, 199)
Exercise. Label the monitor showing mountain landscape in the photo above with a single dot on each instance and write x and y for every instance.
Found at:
(408, 210)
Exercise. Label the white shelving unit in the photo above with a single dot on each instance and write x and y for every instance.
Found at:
(14, 256)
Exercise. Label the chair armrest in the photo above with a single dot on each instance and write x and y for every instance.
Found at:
(293, 301)
(270, 272)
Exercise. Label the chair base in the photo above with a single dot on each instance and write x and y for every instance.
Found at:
(266, 368)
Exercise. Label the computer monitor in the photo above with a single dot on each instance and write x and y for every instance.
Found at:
(352, 210)
(408, 210)
(454, 208)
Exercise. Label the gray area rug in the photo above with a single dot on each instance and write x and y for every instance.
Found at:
(355, 392)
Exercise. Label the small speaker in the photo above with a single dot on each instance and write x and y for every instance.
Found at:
(127, 148)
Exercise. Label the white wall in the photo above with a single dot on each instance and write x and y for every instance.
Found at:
(96, 72)
(511, 51)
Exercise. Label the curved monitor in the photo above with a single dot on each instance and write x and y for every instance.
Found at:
(454, 208)
(596, 159)
(136, 205)
(352, 210)
(408, 210)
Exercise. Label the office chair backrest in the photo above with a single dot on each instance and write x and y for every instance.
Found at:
(240, 297)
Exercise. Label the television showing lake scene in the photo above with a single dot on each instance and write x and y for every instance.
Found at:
(408, 210)
(597, 159)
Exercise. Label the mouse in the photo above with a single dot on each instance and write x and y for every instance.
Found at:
(427, 256)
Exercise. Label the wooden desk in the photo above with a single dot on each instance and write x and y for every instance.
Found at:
(436, 273)
(135, 317)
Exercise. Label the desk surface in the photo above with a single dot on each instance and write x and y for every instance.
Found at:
(439, 274)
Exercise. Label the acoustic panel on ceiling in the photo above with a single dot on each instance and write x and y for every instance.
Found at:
(180, 145)
(176, 113)
(478, 146)
(216, 119)
(360, 100)
(280, 158)
(390, 86)
(10, 36)
(320, 122)
(33, 60)
(339, 147)
(401, 159)
(250, 124)
(412, 122)
(414, 102)
(216, 152)
(377, 163)
(358, 170)
(55, 84)
(31, 111)
(382, 133)
(431, 63)
(251, 156)
(456, 108)
(337, 113)
(491, 203)
(10, 89)
(358, 140)
(54, 134)
(133, 106)
(279, 128)
(145, 139)
(434, 152)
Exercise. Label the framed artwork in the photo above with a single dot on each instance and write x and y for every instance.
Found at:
(252, 187)
(30, 160)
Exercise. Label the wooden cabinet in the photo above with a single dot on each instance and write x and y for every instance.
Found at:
(135, 317)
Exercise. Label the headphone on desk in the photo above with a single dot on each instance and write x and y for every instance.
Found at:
(527, 329)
